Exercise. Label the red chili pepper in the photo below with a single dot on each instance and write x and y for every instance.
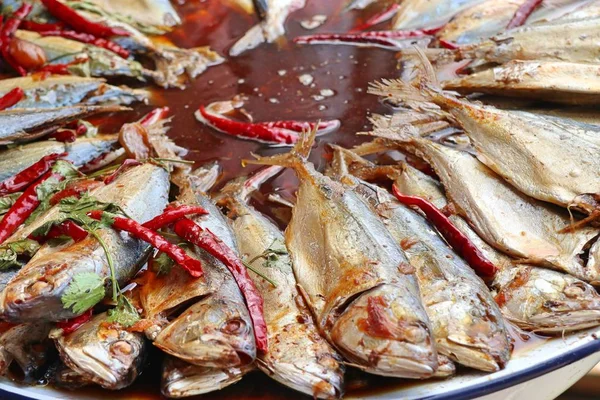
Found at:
(41, 27)
(172, 215)
(154, 116)
(81, 129)
(457, 240)
(29, 174)
(388, 39)
(64, 135)
(23, 207)
(75, 190)
(71, 325)
(91, 39)
(102, 160)
(7, 33)
(80, 23)
(378, 18)
(280, 132)
(66, 228)
(176, 253)
(522, 13)
(126, 165)
(61, 69)
(11, 98)
(448, 45)
(206, 240)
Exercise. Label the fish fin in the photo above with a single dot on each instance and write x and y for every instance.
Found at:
(297, 156)
(253, 38)
(244, 186)
(348, 161)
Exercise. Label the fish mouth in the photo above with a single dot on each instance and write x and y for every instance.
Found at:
(480, 358)
(370, 334)
(89, 365)
(560, 322)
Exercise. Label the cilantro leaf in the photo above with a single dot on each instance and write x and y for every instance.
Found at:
(6, 202)
(162, 264)
(124, 313)
(10, 252)
(84, 292)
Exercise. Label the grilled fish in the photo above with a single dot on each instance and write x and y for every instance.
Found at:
(64, 377)
(64, 90)
(419, 14)
(349, 269)
(31, 123)
(101, 353)
(466, 322)
(83, 150)
(298, 356)
(533, 298)
(26, 346)
(271, 28)
(216, 331)
(180, 379)
(34, 294)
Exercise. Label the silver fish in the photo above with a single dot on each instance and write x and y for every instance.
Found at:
(217, 330)
(103, 354)
(419, 14)
(180, 379)
(347, 266)
(533, 298)
(83, 150)
(270, 28)
(34, 294)
(466, 322)
(63, 90)
(298, 356)
(64, 377)
(26, 346)
(31, 123)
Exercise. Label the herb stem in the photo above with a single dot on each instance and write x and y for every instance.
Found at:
(111, 265)
(248, 266)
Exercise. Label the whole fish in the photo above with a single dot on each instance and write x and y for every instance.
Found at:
(467, 325)
(83, 150)
(62, 376)
(64, 90)
(504, 217)
(31, 123)
(25, 346)
(570, 41)
(547, 158)
(102, 353)
(533, 298)
(349, 270)
(271, 28)
(552, 81)
(180, 379)
(217, 330)
(34, 294)
(298, 356)
(420, 14)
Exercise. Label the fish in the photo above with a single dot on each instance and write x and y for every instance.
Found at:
(569, 41)
(552, 81)
(297, 356)
(548, 158)
(34, 294)
(348, 269)
(102, 353)
(533, 298)
(467, 325)
(590, 9)
(270, 28)
(25, 346)
(62, 376)
(18, 125)
(215, 331)
(63, 90)
(83, 150)
(180, 379)
(420, 14)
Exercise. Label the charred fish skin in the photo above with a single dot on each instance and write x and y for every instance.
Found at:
(27, 346)
(83, 150)
(298, 357)
(347, 266)
(535, 299)
(216, 331)
(180, 379)
(109, 356)
(34, 294)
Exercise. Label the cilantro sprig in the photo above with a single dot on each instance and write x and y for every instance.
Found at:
(10, 252)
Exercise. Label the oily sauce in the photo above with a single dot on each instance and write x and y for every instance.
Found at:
(269, 77)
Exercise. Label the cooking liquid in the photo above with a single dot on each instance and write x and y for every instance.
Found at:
(269, 77)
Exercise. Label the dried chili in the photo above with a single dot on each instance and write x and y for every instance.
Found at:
(11, 98)
(71, 325)
(79, 23)
(455, 238)
(29, 174)
(206, 240)
(62, 69)
(66, 228)
(388, 39)
(9, 27)
(176, 253)
(448, 45)
(64, 135)
(41, 27)
(173, 214)
(522, 13)
(154, 116)
(75, 190)
(90, 39)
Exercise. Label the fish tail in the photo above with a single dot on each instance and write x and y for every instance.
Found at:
(295, 158)
(349, 161)
(243, 187)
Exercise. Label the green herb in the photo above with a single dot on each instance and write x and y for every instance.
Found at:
(124, 313)
(91, 129)
(10, 252)
(6, 202)
(84, 292)
(173, 160)
(271, 256)
(163, 264)
(248, 266)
